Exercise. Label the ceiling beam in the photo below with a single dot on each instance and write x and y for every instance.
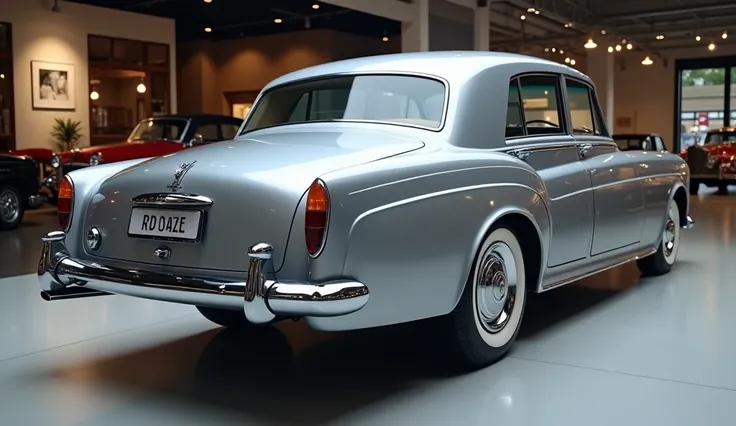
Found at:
(656, 13)
(390, 9)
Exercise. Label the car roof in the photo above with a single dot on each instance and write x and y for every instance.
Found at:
(453, 66)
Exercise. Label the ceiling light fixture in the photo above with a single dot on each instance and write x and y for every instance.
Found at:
(629, 46)
(724, 35)
(277, 21)
(208, 30)
(623, 41)
(2, 76)
(603, 32)
(647, 61)
(562, 52)
(315, 6)
(572, 61)
(208, 1)
(567, 60)
(531, 10)
(522, 17)
(94, 95)
(590, 44)
(554, 50)
(610, 49)
(712, 46)
(660, 37)
(618, 48)
(697, 38)
(546, 49)
(536, 12)
(384, 38)
(568, 25)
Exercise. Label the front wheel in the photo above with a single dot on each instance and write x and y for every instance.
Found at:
(487, 318)
(12, 207)
(662, 260)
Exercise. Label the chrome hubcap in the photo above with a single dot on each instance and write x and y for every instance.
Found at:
(9, 206)
(668, 236)
(496, 287)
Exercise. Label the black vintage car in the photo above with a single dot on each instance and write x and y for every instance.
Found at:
(18, 189)
(639, 142)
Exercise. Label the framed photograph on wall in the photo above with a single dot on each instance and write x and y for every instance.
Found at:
(52, 85)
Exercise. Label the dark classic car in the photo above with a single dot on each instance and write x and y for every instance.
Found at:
(639, 142)
(714, 162)
(152, 137)
(18, 189)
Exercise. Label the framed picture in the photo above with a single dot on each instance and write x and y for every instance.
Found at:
(53, 85)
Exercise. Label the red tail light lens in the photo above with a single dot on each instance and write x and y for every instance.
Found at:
(316, 217)
(64, 202)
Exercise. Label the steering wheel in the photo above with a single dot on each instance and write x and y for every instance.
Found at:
(549, 123)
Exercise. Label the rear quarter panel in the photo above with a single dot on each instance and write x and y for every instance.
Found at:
(408, 227)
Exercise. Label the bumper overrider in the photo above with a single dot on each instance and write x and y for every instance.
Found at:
(262, 299)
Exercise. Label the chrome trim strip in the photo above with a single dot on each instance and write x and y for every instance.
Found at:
(171, 199)
(261, 298)
(622, 261)
(689, 224)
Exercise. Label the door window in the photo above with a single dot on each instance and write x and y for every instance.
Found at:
(659, 144)
(514, 114)
(208, 132)
(539, 98)
(583, 114)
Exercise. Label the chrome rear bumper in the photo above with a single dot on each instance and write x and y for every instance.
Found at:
(262, 299)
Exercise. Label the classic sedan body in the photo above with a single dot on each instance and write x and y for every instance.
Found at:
(150, 138)
(714, 162)
(18, 189)
(377, 191)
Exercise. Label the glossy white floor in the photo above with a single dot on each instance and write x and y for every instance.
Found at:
(612, 350)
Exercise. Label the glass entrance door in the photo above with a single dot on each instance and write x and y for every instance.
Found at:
(703, 103)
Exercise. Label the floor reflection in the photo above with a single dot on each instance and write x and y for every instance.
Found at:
(21, 247)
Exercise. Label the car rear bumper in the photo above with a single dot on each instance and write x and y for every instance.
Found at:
(262, 299)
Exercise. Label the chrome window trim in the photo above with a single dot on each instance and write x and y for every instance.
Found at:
(437, 78)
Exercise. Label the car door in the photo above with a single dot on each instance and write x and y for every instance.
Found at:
(537, 133)
(617, 189)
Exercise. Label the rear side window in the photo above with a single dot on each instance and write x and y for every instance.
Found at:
(583, 113)
(514, 114)
(540, 105)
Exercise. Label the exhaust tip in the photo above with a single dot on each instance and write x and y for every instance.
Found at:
(45, 296)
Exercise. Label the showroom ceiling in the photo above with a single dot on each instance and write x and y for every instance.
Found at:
(221, 19)
(651, 25)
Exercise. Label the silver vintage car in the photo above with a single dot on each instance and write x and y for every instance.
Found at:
(376, 191)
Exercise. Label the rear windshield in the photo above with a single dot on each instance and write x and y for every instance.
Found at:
(720, 137)
(408, 100)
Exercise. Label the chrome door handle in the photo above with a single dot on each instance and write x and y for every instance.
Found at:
(521, 154)
(584, 149)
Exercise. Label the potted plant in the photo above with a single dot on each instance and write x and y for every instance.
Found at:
(66, 134)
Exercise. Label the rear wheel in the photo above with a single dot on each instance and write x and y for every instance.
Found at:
(487, 318)
(12, 207)
(226, 317)
(661, 262)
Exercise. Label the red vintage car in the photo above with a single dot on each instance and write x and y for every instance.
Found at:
(152, 137)
(713, 163)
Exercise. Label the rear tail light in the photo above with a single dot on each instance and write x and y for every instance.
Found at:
(316, 216)
(65, 202)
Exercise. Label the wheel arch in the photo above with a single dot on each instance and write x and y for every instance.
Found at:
(681, 197)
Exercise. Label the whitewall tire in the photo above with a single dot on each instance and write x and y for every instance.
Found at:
(486, 320)
(661, 262)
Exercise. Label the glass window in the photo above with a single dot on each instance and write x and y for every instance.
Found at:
(397, 99)
(159, 130)
(514, 117)
(720, 137)
(208, 132)
(541, 109)
(229, 131)
(659, 144)
(582, 111)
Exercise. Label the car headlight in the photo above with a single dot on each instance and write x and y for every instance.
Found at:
(95, 159)
(55, 161)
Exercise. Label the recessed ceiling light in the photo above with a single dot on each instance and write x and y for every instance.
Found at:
(603, 32)
(629, 46)
(618, 48)
(208, 30)
(2, 75)
(277, 21)
(610, 49)
(697, 38)
(208, 1)
(384, 38)
(712, 46)
(724, 35)
(660, 37)
(522, 17)
(572, 61)
(315, 6)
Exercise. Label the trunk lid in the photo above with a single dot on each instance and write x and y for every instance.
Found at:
(256, 185)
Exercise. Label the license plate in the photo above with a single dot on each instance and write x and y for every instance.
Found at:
(165, 223)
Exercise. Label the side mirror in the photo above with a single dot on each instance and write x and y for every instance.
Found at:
(197, 139)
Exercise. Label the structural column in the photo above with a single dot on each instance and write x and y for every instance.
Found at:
(415, 32)
(481, 28)
(601, 68)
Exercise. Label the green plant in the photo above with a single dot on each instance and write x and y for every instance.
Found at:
(66, 133)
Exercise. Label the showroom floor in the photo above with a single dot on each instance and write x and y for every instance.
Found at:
(612, 350)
